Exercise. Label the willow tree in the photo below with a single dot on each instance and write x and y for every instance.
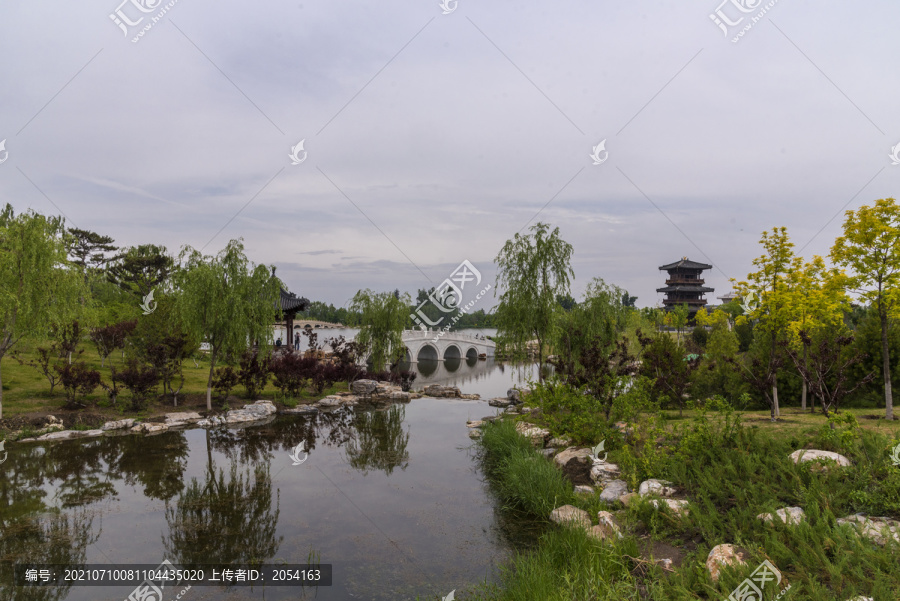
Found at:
(383, 317)
(227, 302)
(770, 286)
(532, 270)
(39, 289)
(870, 247)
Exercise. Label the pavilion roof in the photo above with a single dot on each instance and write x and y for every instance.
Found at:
(291, 303)
(685, 263)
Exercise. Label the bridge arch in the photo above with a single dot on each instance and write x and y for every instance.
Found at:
(427, 352)
(472, 353)
(452, 352)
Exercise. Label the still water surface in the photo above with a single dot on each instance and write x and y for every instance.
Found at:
(392, 498)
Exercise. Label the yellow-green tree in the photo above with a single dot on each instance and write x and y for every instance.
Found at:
(770, 288)
(818, 299)
(870, 247)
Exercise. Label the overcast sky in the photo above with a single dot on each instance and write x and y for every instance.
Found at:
(432, 138)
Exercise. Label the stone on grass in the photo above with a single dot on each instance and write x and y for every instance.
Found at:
(626, 499)
(560, 442)
(678, 506)
(537, 435)
(548, 452)
(662, 488)
(788, 515)
(724, 555)
(584, 489)
(570, 516)
(572, 458)
(601, 471)
(876, 529)
(607, 522)
(804, 455)
(612, 490)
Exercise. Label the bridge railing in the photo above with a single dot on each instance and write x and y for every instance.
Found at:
(410, 334)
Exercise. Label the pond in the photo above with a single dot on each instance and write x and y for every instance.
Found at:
(391, 498)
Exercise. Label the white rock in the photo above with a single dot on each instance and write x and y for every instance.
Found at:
(537, 435)
(475, 423)
(118, 424)
(186, 417)
(662, 488)
(607, 521)
(572, 516)
(604, 472)
(678, 506)
(612, 490)
(580, 456)
(788, 515)
(721, 556)
(804, 455)
(559, 442)
(499, 402)
(876, 529)
(330, 401)
(584, 489)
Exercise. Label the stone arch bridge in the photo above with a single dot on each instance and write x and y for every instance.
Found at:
(438, 346)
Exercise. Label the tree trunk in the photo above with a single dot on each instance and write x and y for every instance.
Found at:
(212, 367)
(776, 411)
(803, 392)
(886, 366)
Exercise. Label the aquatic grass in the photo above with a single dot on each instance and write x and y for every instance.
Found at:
(523, 479)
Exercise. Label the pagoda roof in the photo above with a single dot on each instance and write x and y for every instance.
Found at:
(291, 303)
(685, 288)
(685, 263)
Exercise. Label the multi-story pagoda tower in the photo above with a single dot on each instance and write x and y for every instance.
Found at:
(685, 284)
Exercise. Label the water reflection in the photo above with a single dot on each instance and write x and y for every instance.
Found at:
(379, 442)
(227, 520)
(380, 484)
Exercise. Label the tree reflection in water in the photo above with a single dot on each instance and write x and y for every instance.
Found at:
(48, 538)
(231, 520)
(379, 441)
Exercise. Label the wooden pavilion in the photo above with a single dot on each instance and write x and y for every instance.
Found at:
(685, 285)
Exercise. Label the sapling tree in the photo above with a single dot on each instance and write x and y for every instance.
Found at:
(825, 367)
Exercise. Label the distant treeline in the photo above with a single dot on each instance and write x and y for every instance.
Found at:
(321, 311)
